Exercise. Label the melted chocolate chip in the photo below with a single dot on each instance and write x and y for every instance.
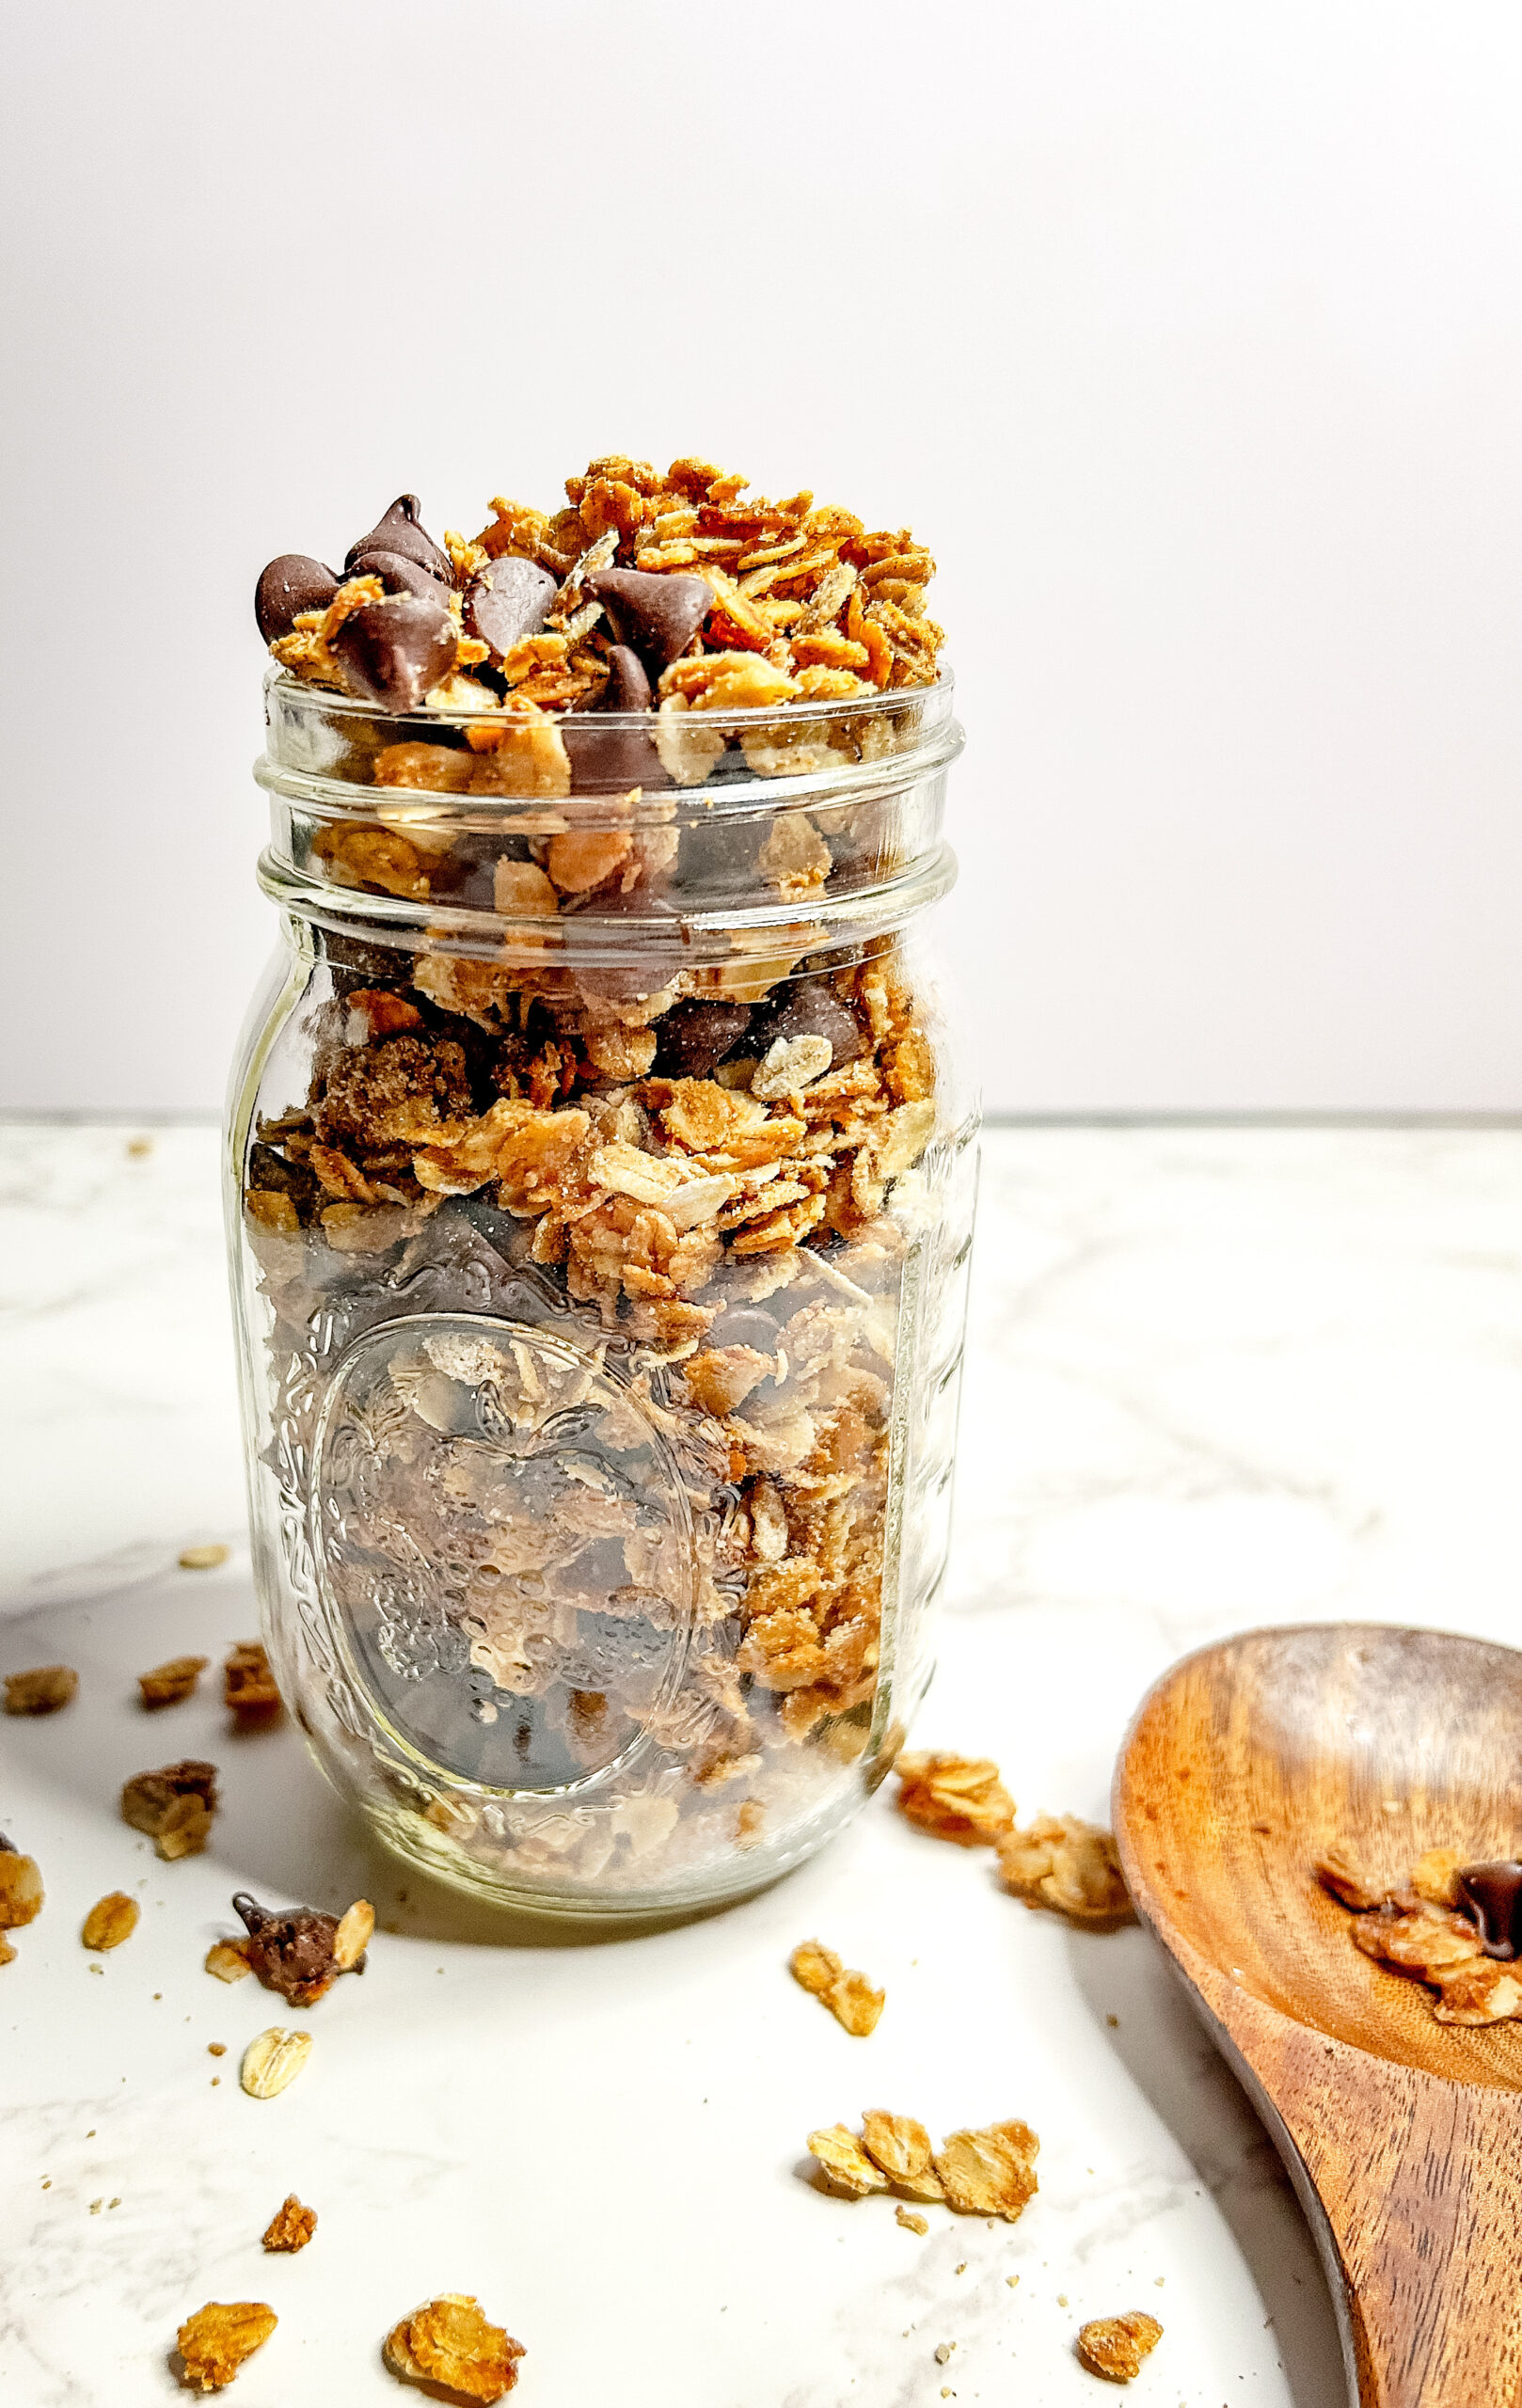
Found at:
(1493, 1892)
(399, 530)
(657, 615)
(292, 1953)
(394, 652)
(692, 1038)
(812, 1008)
(397, 573)
(291, 583)
(508, 601)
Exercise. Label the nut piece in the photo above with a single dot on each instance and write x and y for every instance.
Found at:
(215, 2341)
(850, 1997)
(110, 1921)
(170, 1684)
(21, 1888)
(955, 1798)
(902, 2147)
(248, 1685)
(992, 2172)
(846, 2162)
(291, 2226)
(1071, 1865)
(229, 1960)
(42, 1691)
(174, 1806)
(272, 2061)
(1115, 2346)
(451, 2342)
(203, 1558)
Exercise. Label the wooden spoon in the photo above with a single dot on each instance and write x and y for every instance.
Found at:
(1403, 2135)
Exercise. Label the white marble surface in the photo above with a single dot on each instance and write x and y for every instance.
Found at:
(1216, 1377)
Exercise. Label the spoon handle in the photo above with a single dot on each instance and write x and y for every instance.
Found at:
(1414, 2188)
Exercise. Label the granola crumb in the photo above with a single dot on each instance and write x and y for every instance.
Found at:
(1013, 2281)
(248, 1685)
(203, 1558)
(943, 2352)
(216, 2048)
(170, 1684)
(911, 2221)
(449, 2342)
(215, 2341)
(1115, 2346)
(110, 1921)
(137, 1148)
(291, 2226)
(955, 1798)
(229, 1960)
(1063, 1863)
(174, 1806)
(851, 1999)
(43, 1690)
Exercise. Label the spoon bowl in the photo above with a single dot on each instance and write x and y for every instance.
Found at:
(1403, 2136)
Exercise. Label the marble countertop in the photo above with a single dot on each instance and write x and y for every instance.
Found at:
(1216, 1377)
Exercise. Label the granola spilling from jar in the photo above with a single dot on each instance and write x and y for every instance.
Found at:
(588, 1252)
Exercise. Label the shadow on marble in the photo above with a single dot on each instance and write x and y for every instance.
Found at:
(1145, 2017)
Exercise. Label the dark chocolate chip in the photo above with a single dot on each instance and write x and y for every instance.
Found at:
(693, 1036)
(270, 1173)
(812, 1008)
(394, 652)
(1493, 1894)
(290, 584)
(508, 601)
(397, 573)
(628, 689)
(657, 615)
(399, 531)
(292, 1953)
(746, 1327)
(610, 760)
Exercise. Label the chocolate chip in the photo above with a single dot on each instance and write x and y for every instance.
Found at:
(610, 760)
(508, 601)
(692, 1036)
(290, 584)
(629, 688)
(292, 1953)
(812, 1008)
(746, 1327)
(1493, 1894)
(657, 615)
(397, 573)
(399, 531)
(394, 652)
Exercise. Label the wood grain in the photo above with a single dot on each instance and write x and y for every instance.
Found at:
(1403, 2135)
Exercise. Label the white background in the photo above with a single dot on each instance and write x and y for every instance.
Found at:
(1189, 337)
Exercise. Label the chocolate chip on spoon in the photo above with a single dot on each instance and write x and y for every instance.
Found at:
(657, 615)
(291, 584)
(1493, 1894)
(507, 601)
(399, 531)
(395, 651)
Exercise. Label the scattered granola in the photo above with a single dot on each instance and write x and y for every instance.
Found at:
(1454, 1924)
(1064, 1863)
(42, 1691)
(272, 2061)
(215, 2341)
(850, 1997)
(990, 2172)
(21, 1887)
(248, 1685)
(229, 1960)
(911, 2221)
(174, 1806)
(110, 1921)
(291, 2226)
(203, 1558)
(451, 2342)
(170, 1684)
(1115, 2346)
(301, 1954)
(955, 1798)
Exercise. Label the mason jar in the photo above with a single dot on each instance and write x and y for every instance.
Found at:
(601, 1187)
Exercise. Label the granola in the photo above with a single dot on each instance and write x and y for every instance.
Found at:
(1063, 1863)
(42, 1691)
(215, 2342)
(451, 2342)
(21, 1887)
(110, 1921)
(851, 1999)
(1454, 1924)
(272, 2061)
(170, 1684)
(300, 1954)
(987, 2172)
(1115, 2346)
(248, 1687)
(955, 1798)
(174, 1806)
(290, 2227)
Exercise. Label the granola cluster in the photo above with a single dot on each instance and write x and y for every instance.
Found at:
(1453, 1924)
(680, 589)
(985, 2172)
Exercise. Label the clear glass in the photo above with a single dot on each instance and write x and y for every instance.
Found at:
(601, 1185)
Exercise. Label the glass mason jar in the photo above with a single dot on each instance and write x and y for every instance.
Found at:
(601, 1195)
